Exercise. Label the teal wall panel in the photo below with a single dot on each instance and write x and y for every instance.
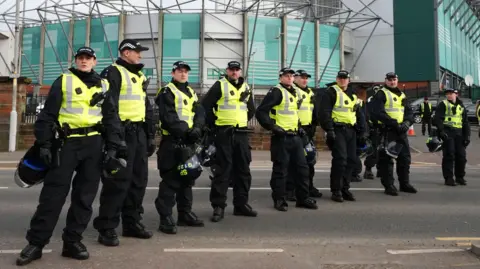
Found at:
(98, 42)
(59, 43)
(328, 38)
(31, 49)
(305, 54)
(265, 63)
(181, 41)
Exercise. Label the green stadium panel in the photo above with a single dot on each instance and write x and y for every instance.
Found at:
(265, 62)
(99, 43)
(31, 49)
(305, 54)
(181, 41)
(79, 34)
(58, 44)
(328, 38)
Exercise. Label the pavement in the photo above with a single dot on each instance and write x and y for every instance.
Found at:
(438, 227)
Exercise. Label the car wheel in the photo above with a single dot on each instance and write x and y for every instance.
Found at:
(417, 119)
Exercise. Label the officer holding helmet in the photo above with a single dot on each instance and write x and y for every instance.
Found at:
(75, 102)
(341, 118)
(375, 138)
(307, 113)
(389, 107)
(454, 130)
(125, 195)
(278, 113)
(228, 107)
(182, 119)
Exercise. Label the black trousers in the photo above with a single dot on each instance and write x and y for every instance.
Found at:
(233, 158)
(287, 151)
(124, 196)
(357, 169)
(83, 155)
(385, 162)
(454, 155)
(372, 160)
(428, 122)
(292, 177)
(172, 189)
(344, 154)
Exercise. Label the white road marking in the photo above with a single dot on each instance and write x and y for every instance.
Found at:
(424, 251)
(224, 250)
(17, 251)
(3, 188)
(268, 188)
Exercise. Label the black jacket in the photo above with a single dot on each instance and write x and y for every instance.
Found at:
(48, 117)
(165, 101)
(210, 100)
(377, 109)
(273, 98)
(326, 107)
(440, 117)
(112, 74)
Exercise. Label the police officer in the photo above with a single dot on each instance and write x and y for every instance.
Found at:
(426, 114)
(341, 118)
(454, 130)
(229, 106)
(307, 114)
(389, 107)
(373, 133)
(182, 119)
(125, 196)
(73, 102)
(278, 113)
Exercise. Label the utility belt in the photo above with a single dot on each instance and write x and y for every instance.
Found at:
(66, 131)
(132, 126)
(230, 129)
(338, 125)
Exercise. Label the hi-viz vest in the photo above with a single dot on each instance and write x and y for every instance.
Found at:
(75, 109)
(343, 110)
(451, 119)
(286, 113)
(422, 107)
(305, 111)
(394, 105)
(131, 101)
(183, 105)
(478, 110)
(230, 110)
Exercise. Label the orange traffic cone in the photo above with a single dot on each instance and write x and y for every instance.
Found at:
(411, 131)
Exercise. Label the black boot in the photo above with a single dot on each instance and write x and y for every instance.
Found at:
(218, 214)
(167, 225)
(356, 178)
(29, 254)
(75, 250)
(348, 196)
(407, 188)
(291, 196)
(244, 210)
(189, 219)
(108, 238)
(308, 203)
(315, 193)
(391, 190)
(281, 205)
(461, 181)
(136, 230)
(450, 182)
(368, 174)
(337, 197)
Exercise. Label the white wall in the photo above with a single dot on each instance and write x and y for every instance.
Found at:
(6, 48)
(378, 56)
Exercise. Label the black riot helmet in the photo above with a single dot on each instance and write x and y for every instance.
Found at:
(31, 170)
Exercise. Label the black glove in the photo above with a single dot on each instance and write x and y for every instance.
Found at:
(302, 132)
(121, 150)
(466, 141)
(442, 135)
(403, 128)
(277, 130)
(194, 134)
(330, 139)
(151, 147)
(45, 155)
(361, 139)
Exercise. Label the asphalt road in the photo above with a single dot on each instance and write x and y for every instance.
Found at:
(369, 233)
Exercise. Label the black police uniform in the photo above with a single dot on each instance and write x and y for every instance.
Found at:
(455, 142)
(357, 170)
(173, 188)
(426, 117)
(125, 196)
(393, 131)
(374, 129)
(310, 135)
(81, 154)
(233, 153)
(342, 141)
(287, 149)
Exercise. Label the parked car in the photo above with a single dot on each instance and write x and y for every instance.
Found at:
(415, 105)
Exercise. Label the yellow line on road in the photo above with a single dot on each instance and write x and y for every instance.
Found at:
(458, 238)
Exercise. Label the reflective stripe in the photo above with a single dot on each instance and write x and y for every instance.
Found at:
(285, 110)
(226, 97)
(180, 103)
(451, 119)
(129, 95)
(95, 110)
(69, 91)
(390, 107)
(340, 107)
